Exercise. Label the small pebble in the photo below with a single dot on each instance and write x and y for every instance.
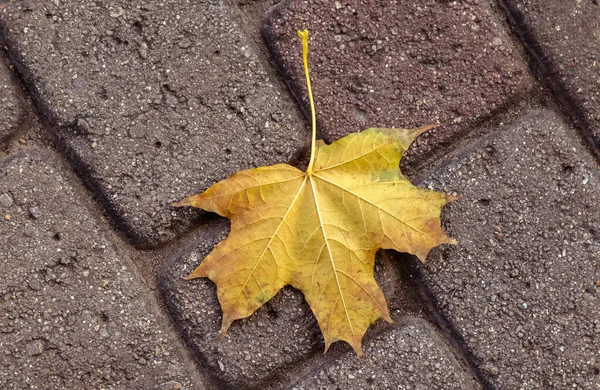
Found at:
(35, 285)
(184, 43)
(6, 200)
(83, 125)
(35, 348)
(34, 211)
(116, 12)
(171, 385)
(143, 50)
(171, 100)
(492, 369)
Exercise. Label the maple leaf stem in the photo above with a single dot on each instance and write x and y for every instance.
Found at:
(304, 36)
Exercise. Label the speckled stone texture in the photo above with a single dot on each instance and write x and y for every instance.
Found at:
(153, 101)
(564, 38)
(11, 103)
(410, 356)
(282, 335)
(147, 102)
(74, 314)
(523, 286)
(400, 64)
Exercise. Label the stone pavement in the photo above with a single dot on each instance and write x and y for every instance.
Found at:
(111, 110)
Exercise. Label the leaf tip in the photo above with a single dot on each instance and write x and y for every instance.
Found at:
(358, 349)
(452, 241)
(423, 129)
(197, 273)
(193, 201)
(422, 258)
(185, 202)
(452, 198)
(420, 130)
(224, 326)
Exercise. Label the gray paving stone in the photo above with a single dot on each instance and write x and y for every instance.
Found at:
(400, 64)
(523, 286)
(153, 101)
(564, 37)
(281, 336)
(412, 356)
(11, 103)
(74, 314)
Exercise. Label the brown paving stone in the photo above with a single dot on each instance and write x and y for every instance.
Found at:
(564, 38)
(400, 63)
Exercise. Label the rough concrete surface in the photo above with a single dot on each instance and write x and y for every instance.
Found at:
(11, 103)
(280, 335)
(565, 36)
(152, 101)
(74, 315)
(523, 286)
(411, 356)
(147, 102)
(400, 64)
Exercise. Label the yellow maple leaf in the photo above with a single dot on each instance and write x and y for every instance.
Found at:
(319, 230)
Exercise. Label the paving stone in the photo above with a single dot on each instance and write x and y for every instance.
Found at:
(11, 103)
(400, 64)
(74, 314)
(279, 337)
(411, 356)
(523, 286)
(153, 101)
(564, 36)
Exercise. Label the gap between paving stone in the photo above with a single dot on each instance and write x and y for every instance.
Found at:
(550, 63)
(253, 13)
(74, 314)
(522, 287)
(455, 342)
(150, 112)
(561, 39)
